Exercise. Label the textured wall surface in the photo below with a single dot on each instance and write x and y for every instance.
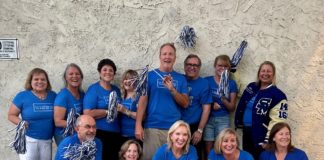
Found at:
(53, 33)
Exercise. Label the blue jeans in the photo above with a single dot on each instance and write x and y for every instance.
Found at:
(214, 126)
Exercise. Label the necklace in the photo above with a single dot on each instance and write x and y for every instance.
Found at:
(39, 95)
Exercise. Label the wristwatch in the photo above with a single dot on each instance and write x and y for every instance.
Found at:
(200, 130)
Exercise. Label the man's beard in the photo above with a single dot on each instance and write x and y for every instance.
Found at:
(89, 137)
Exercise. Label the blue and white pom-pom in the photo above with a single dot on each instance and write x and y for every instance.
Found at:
(223, 90)
(188, 37)
(141, 83)
(112, 107)
(238, 56)
(19, 143)
(70, 123)
(85, 151)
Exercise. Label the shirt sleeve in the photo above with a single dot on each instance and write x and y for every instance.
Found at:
(60, 152)
(18, 100)
(61, 100)
(99, 150)
(279, 113)
(263, 156)
(158, 154)
(206, 97)
(211, 155)
(90, 99)
(192, 153)
(184, 86)
(233, 87)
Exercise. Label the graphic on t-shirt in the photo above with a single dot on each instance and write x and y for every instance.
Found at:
(43, 107)
(78, 107)
(215, 94)
(106, 98)
(161, 85)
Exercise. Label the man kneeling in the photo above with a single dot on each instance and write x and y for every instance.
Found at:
(83, 144)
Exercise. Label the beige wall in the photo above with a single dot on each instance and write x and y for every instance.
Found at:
(53, 33)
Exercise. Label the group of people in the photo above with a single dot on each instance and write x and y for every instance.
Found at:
(182, 116)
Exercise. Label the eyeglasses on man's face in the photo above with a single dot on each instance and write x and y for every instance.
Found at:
(192, 65)
(89, 126)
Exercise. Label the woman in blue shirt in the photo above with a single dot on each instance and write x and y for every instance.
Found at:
(131, 150)
(280, 147)
(226, 147)
(222, 105)
(178, 144)
(69, 97)
(95, 104)
(35, 105)
(128, 106)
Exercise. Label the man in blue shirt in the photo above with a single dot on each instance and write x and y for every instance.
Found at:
(196, 115)
(86, 131)
(167, 93)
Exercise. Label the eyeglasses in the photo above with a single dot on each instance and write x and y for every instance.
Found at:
(89, 126)
(192, 65)
(222, 66)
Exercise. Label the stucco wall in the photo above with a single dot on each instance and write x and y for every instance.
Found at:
(53, 33)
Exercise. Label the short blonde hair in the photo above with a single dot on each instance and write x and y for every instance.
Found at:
(125, 147)
(175, 126)
(221, 137)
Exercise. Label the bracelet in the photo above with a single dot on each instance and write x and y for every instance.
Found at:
(106, 112)
(200, 130)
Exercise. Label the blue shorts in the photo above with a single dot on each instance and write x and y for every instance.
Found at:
(214, 126)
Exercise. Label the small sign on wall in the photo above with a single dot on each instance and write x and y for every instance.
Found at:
(9, 48)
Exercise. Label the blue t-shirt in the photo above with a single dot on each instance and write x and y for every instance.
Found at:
(128, 123)
(199, 94)
(243, 156)
(247, 118)
(98, 98)
(216, 98)
(66, 100)
(72, 140)
(163, 153)
(292, 155)
(38, 113)
(162, 110)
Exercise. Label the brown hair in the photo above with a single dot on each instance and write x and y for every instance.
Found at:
(125, 147)
(273, 68)
(220, 139)
(129, 74)
(192, 56)
(30, 76)
(108, 62)
(224, 58)
(271, 146)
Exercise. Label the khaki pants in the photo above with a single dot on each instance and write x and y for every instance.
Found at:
(153, 139)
